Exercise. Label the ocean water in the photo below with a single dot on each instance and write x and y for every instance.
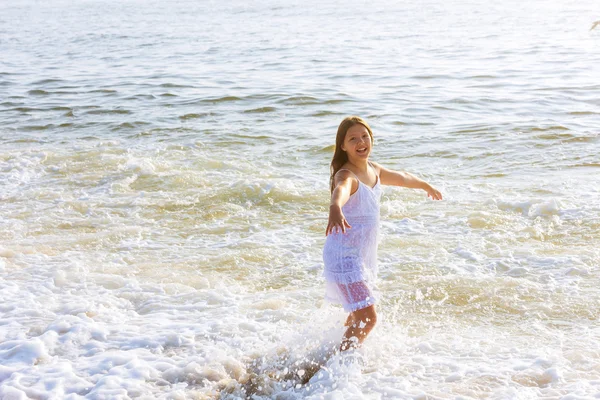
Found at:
(164, 192)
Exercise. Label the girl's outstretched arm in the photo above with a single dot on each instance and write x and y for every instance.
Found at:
(345, 183)
(404, 179)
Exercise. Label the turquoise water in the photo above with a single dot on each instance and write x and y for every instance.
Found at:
(164, 173)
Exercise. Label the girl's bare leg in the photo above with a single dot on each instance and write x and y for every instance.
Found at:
(359, 323)
(349, 320)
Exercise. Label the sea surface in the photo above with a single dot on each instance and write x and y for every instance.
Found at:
(164, 170)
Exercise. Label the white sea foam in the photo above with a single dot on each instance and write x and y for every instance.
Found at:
(141, 166)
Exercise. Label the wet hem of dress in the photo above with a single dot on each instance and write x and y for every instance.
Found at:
(354, 306)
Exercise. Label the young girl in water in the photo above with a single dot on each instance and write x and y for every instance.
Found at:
(350, 253)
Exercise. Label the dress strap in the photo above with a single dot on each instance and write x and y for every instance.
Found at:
(346, 169)
(374, 170)
(358, 181)
(356, 176)
(377, 180)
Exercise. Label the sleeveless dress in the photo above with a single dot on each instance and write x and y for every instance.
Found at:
(351, 258)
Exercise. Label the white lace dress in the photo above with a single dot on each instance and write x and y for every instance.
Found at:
(351, 259)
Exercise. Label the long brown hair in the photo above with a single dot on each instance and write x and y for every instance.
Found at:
(339, 156)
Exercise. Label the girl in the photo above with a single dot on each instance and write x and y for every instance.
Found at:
(350, 253)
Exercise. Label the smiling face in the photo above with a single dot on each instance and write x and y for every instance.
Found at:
(344, 139)
(357, 143)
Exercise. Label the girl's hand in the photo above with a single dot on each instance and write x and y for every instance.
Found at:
(433, 193)
(337, 221)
